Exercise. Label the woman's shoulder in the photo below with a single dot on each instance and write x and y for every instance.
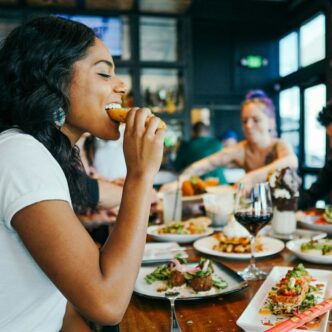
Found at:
(15, 137)
(280, 143)
(19, 146)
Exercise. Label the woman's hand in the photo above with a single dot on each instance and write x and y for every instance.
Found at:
(251, 178)
(143, 145)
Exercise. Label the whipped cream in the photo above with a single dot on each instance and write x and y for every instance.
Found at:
(234, 229)
(282, 193)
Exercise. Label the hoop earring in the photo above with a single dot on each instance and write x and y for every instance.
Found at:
(59, 117)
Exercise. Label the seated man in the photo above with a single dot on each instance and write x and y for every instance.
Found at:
(201, 145)
(322, 187)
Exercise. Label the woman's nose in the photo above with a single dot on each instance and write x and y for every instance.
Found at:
(120, 87)
(248, 123)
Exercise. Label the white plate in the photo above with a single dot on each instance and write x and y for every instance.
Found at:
(299, 233)
(221, 189)
(179, 238)
(234, 281)
(270, 247)
(310, 256)
(308, 221)
(159, 252)
(252, 321)
(194, 198)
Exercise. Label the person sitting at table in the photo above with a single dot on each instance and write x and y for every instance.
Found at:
(260, 152)
(57, 78)
(201, 145)
(229, 138)
(322, 187)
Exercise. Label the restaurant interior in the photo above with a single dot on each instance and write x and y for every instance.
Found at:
(195, 61)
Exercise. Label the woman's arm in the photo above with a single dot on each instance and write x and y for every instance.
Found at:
(98, 284)
(285, 158)
(225, 157)
(73, 321)
(109, 194)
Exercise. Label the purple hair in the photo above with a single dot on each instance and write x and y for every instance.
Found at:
(261, 96)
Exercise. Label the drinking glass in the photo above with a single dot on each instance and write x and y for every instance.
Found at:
(253, 210)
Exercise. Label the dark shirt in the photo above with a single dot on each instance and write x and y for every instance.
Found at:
(93, 192)
(196, 149)
(319, 189)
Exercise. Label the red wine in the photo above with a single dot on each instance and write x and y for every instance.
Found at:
(253, 223)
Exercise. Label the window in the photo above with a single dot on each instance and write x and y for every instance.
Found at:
(288, 54)
(289, 101)
(158, 39)
(113, 31)
(314, 133)
(312, 41)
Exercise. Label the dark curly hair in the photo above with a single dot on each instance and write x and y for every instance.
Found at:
(36, 65)
(325, 115)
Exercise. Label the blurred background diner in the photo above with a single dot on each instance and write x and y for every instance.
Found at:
(193, 61)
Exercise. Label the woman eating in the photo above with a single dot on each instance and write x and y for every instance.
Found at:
(57, 78)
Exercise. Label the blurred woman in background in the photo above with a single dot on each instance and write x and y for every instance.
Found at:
(260, 152)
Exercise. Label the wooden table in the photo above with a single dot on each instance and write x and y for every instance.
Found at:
(215, 315)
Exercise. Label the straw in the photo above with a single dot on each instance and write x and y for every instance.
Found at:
(176, 198)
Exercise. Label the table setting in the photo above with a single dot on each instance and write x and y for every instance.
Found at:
(237, 307)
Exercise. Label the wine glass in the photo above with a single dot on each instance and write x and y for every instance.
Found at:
(253, 210)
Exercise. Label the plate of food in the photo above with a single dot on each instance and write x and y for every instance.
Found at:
(181, 231)
(203, 279)
(285, 293)
(162, 251)
(315, 251)
(317, 219)
(237, 247)
(194, 188)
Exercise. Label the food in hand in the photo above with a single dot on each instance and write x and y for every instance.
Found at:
(177, 273)
(191, 226)
(197, 186)
(117, 113)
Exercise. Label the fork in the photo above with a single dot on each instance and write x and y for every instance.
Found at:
(172, 296)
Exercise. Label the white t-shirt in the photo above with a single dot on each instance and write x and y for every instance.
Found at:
(29, 301)
(109, 158)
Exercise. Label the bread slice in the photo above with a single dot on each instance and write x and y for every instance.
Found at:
(120, 115)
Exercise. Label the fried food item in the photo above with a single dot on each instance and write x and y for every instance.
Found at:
(120, 115)
(177, 278)
(187, 188)
(201, 284)
(291, 292)
(237, 245)
(197, 186)
(211, 182)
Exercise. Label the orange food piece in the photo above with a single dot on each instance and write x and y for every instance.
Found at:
(187, 188)
(200, 185)
(211, 182)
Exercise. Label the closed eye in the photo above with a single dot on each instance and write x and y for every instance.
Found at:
(104, 75)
